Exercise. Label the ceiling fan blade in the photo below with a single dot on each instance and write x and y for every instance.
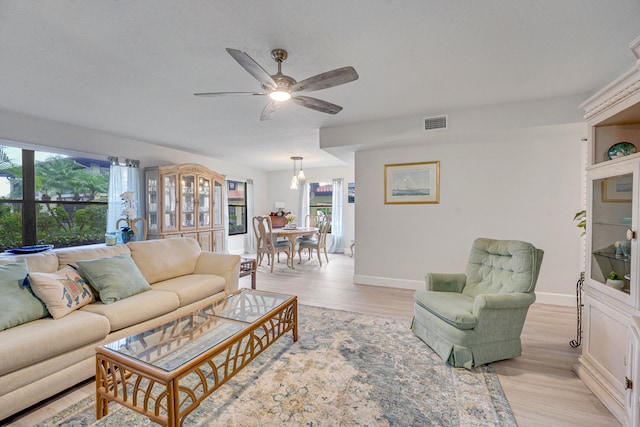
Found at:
(253, 68)
(331, 78)
(317, 104)
(269, 110)
(229, 93)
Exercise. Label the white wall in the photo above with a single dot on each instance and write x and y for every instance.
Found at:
(278, 190)
(508, 182)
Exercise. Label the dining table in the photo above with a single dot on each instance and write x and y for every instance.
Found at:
(292, 234)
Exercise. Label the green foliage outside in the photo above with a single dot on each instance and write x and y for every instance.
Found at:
(11, 226)
(58, 178)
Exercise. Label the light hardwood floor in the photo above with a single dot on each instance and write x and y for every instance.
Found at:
(540, 385)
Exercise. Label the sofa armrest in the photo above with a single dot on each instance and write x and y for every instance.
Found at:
(499, 301)
(225, 265)
(443, 282)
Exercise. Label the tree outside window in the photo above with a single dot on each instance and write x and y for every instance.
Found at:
(51, 198)
(237, 200)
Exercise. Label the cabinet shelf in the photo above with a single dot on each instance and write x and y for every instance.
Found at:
(625, 259)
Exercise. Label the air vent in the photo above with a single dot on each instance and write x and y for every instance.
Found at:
(435, 123)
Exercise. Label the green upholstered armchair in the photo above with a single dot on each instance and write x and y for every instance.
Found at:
(475, 318)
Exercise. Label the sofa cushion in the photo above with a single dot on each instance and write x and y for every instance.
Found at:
(46, 262)
(41, 339)
(70, 256)
(192, 287)
(18, 305)
(454, 308)
(115, 278)
(62, 292)
(166, 258)
(135, 309)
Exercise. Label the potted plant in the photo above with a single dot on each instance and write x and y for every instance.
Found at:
(615, 280)
(581, 217)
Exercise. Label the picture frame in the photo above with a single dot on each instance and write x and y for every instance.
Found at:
(351, 192)
(412, 183)
(618, 188)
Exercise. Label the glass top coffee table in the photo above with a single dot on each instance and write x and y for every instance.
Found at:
(165, 372)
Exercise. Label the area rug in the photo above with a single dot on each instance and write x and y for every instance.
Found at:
(346, 369)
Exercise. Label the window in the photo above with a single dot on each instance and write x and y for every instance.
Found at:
(237, 197)
(320, 198)
(49, 198)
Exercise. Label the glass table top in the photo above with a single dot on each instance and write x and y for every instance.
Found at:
(179, 341)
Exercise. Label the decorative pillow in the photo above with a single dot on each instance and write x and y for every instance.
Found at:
(18, 304)
(115, 278)
(62, 292)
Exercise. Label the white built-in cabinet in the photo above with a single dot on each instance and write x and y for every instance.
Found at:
(610, 360)
(185, 201)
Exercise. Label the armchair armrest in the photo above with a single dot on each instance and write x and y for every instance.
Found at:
(499, 301)
(225, 265)
(443, 282)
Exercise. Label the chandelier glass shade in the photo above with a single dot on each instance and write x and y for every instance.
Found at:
(299, 177)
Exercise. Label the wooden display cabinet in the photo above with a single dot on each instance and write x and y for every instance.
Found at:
(185, 201)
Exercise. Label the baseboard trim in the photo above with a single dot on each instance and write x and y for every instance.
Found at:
(556, 299)
(389, 282)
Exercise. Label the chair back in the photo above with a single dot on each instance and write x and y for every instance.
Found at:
(323, 229)
(262, 227)
(310, 220)
(502, 266)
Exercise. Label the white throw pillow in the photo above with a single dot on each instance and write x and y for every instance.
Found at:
(62, 292)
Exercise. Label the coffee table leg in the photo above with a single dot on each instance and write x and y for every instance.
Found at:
(102, 405)
(295, 321)
(254, 267)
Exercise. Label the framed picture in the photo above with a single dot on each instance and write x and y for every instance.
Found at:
(412, 183)
(617, 188)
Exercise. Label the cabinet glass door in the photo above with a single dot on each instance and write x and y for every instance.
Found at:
(188, 200)
(152, 199)
(217, 203)
(169, 203)
(204, 202)
(611, 237)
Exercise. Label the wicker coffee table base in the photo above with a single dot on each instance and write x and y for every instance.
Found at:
(168, 397)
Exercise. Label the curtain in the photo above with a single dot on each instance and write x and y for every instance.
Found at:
(303, 203)
(225, 214)
(250, 237)
(123, 177)
(336, 217)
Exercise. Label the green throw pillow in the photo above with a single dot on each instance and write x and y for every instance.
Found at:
(18, 304)
(115, 278)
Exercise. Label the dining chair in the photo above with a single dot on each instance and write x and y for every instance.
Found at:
(318, 242)
(265, 243)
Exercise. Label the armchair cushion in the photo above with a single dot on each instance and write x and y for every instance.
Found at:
(454, 308)
(502, 266)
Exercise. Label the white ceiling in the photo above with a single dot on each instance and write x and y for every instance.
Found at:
(130, 67)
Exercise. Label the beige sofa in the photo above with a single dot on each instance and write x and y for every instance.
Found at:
(43, 357)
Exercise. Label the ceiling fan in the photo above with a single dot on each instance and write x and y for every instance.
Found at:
(281, 88)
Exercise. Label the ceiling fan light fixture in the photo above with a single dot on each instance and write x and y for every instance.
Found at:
(280, 95)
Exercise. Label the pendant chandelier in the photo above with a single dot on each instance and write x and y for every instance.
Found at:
(297, 178)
